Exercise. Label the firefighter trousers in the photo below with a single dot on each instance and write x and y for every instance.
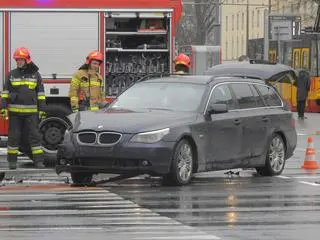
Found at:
(29, 125)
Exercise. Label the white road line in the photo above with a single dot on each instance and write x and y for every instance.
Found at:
(32, 182)
(192, 237)
(307, 177)
(303, 177)
(309, 183)
(109, 206)
(50, 228)
(129, 216)
(146, 223)
(135, 218)
(283, 177)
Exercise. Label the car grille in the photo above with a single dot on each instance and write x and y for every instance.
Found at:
(104, 138)
(109, 138)
(87, 137)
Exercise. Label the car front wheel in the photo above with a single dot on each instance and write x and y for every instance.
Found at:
(182, 165)
(275, 159)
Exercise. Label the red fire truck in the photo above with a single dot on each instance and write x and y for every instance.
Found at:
(136, 37)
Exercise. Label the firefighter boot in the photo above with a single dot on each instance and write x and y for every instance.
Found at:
(12, 157)
(38, 158)
(39, 165)
(12, 165)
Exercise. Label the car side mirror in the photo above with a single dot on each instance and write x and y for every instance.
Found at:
(217, 108)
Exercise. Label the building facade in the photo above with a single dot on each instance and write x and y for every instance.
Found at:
(242, 20)
(307, 9)
(235, 16)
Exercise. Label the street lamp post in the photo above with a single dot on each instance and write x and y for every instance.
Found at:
(247, 30)
(248, 22)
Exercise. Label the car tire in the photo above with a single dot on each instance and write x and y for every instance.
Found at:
(81, 178)
(52, 131)
(275, 157)
(184, 156)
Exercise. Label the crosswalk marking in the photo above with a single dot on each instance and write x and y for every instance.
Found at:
(97, 211)
(305, 177)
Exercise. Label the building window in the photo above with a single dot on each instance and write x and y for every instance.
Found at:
(232, 48)
(232, 22)
(226, 23)
(253, 19)
(242, 21)
(237, 21)
(227, 50)
(305, 6)
(258, 18)
(292, 8)
(242, 45)
(238, 47)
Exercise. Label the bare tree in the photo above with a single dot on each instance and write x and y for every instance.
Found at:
(197, 23)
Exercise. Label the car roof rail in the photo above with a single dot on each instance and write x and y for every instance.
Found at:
(259, 61)
(240, 76)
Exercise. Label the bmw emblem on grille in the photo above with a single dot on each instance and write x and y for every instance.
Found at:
(100, 126)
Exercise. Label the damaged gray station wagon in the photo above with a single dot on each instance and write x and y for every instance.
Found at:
(179, 125)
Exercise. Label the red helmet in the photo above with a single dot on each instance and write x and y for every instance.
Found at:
(94, 55)
(22, 53)
(183, 59)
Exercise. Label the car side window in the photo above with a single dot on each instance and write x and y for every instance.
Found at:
(269, 95)
(244, 95)
(222, 95)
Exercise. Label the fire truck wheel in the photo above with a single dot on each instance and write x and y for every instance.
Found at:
(52, 130)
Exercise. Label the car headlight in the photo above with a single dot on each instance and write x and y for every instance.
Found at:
(150, 137)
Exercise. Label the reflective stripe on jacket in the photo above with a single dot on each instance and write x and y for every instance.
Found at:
(23, 90)
(86, 88)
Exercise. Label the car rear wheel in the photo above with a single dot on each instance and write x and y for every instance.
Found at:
(81, 178)
(182, 165)
(275, 159)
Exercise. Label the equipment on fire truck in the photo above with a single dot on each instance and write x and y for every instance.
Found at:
(136, 49)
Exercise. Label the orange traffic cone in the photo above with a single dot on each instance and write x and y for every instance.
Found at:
(310, 161)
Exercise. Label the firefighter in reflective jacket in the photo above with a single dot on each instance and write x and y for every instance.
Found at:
(23, 99)
(86, 89)
(182, 64)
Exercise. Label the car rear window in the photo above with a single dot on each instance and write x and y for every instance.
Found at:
(269, 95)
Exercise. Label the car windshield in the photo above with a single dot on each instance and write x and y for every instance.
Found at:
(184, 97)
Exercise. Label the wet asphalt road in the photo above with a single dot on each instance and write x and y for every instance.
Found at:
(39, 205)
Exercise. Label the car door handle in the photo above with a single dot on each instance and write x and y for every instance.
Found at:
(237, 122)
(265, 119)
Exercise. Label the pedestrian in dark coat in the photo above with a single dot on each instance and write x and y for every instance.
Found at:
(303, 88)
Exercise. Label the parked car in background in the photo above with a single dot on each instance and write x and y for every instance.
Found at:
(179, 125)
